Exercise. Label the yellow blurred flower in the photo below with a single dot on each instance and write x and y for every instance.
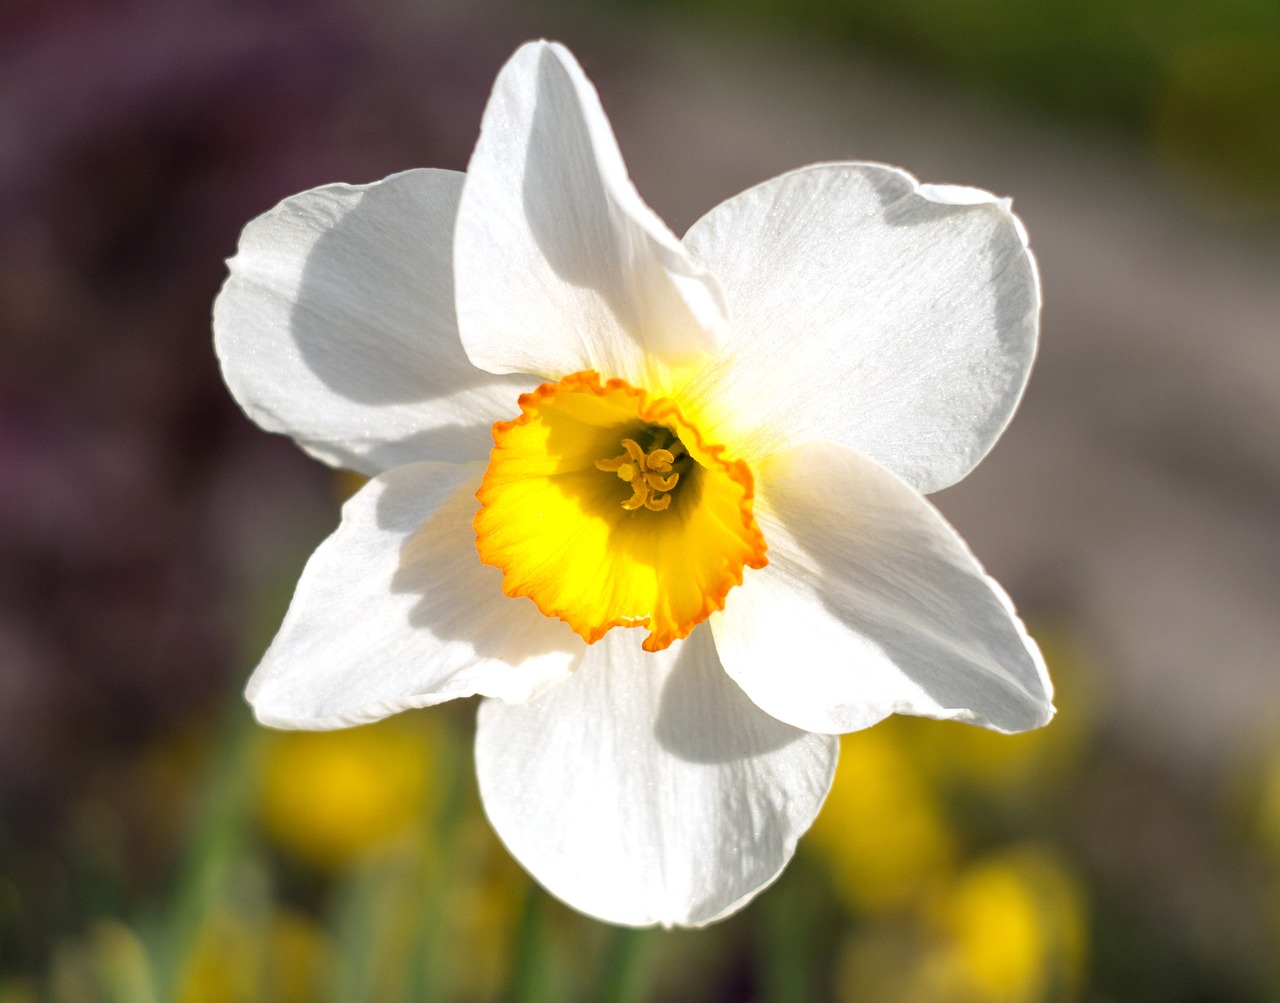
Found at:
(1009, 929)
(1013, 930)
(881, 831)
(234, 960)
(298, 959)
(326, 797)
(223, 964)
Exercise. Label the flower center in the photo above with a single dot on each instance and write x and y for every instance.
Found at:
(586, 547)
(652, 475)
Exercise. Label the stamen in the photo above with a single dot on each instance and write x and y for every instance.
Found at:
(650, 474)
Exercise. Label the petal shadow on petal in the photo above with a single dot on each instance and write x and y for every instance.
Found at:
(947, 627)
(460, 598)
(1018, 305)
(400, 322)
(902, 205)
(568, 210)
(1016, 302)
(705, 717)
(451, 443)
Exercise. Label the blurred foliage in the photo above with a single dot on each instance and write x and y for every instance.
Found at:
(949, 864)
(1197, 81)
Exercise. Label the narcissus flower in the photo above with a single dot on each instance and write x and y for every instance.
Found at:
(578, 424)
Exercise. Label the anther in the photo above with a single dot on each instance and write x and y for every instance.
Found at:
(650, 474)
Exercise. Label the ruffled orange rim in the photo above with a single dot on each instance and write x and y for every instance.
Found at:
(687, 587)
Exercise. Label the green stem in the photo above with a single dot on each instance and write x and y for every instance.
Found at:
(220, 839)
(529, 975)
(787, 973)
(627, 967)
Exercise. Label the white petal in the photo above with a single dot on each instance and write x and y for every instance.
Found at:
(872, 605)
(898, 319)
(395, 610)
(336, 326)
(648, 788)
(560, 266)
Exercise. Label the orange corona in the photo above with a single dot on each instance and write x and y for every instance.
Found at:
(607, 508)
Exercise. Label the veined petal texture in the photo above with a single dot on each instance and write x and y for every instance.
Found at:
(395, 610)
(898, 319)
(872, 605)
(336, 327)
(647, 788)
(560, 266)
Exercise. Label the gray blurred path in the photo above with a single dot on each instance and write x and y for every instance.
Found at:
(1139, 486)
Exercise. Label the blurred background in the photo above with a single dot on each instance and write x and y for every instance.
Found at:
(157, 845)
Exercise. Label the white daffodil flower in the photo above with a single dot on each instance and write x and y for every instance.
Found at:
(577, 423)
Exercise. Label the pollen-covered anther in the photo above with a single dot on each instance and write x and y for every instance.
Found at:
(650, 474)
